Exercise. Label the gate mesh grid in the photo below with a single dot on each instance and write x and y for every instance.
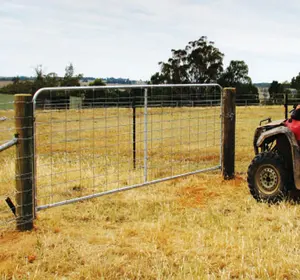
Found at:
(88, 141)
(7, 163)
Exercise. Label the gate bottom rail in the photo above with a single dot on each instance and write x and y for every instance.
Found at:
(38, 208)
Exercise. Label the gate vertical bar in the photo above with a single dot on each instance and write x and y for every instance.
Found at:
(133, 130)
(145, 135)
(222, 127)
(25, 192)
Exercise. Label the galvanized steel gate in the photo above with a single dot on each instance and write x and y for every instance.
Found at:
(94, 141)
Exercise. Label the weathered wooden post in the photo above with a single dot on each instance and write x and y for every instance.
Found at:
(228, 135)
(25, 208)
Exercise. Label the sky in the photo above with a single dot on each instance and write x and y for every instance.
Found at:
(127, 38)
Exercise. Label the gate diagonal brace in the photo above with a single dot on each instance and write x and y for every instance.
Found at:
(11, 205)
(9, 144)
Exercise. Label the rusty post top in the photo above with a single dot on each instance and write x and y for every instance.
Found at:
(23, 94)
(230, 89)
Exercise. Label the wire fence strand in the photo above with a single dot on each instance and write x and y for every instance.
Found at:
(7, 163)
(91, 142)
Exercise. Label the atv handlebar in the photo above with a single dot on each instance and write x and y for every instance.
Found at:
(294, 108)
(264, 120)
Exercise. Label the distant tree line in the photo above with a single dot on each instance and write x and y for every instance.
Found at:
(292, 88)
(121, 81)
(201, 62)
(41, 80)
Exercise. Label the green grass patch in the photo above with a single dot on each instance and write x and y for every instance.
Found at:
(6, 101)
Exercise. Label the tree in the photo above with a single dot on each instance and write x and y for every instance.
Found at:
(236, 73)
(16, 80)
(69, 78)
(199, 62)
(44, 80)
(51, 80)
(97, 82)
(275, 89)
(18, 87)
(39, 81)
(295, 82)
(246, 93)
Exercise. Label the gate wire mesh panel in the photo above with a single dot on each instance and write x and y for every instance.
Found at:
(183, 131)
(7, 162)
(90, 141)
(249, 114)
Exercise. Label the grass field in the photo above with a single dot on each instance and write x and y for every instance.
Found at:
(6, 101)
(5, 83)
(197, 227)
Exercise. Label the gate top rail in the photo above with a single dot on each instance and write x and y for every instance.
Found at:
(122, 87)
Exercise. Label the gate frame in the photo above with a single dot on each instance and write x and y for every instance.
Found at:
(145, 183)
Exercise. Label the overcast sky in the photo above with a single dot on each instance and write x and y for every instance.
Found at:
(127, 38)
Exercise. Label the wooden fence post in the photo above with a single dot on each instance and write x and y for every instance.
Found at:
(25, 197)
(228, 135)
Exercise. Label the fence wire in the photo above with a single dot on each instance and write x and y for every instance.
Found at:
(91, 141)
(7, 162)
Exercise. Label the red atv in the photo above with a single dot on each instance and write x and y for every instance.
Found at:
(275, 170)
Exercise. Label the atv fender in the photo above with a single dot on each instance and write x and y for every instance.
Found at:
(293, 145)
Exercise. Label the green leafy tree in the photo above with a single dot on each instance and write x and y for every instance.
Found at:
(246, 93)
(39, 81)
(18, 87)
(236, 73)
(44, 80)
(276, 90)
(91, 95)
(16, 80)
(295, 82)
(51, 80)
(70, 79)
(199, 62)
(275, 87)
(97, 82)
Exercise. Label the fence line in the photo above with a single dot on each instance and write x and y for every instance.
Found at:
(7, 162)
(114, 139)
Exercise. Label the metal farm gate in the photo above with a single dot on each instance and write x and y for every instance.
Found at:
(122, 137)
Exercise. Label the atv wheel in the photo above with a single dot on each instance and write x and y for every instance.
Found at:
(268, 178)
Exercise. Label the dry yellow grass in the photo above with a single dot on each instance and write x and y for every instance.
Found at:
(5, 83)
(198, 227)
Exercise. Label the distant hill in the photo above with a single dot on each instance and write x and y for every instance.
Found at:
(87, 80)
(263, 85)
(22, 78)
